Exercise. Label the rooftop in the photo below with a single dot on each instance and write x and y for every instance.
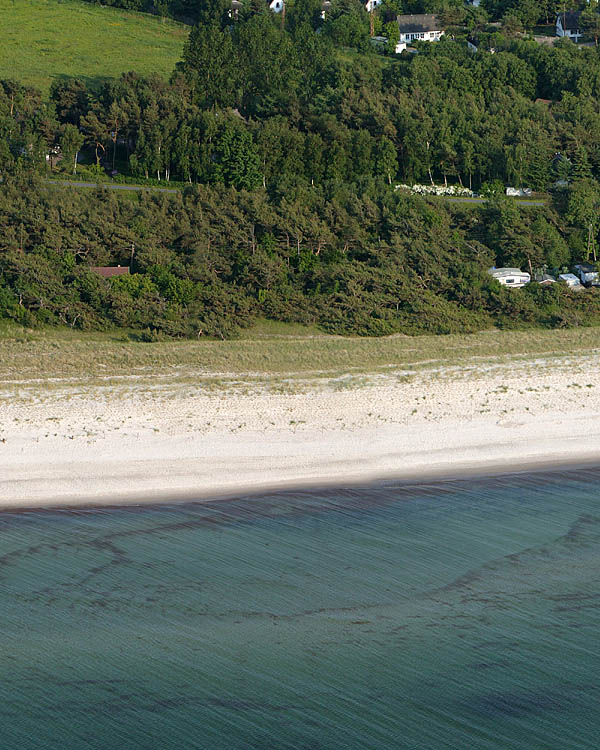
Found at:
(569, 20)
(506, 271)
(419, 23)
(569, 277)
(108, 271)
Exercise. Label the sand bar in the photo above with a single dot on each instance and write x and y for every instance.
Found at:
(154, 440)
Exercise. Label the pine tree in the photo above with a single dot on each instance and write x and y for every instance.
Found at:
(581, 164)
(537, 172)
(239, 160)
(210, 62)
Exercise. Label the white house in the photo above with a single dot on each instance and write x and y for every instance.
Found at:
(372, 4)
(424, 27)
(567, 24)
(510, 276)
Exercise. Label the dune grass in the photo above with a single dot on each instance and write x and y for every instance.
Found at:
(268, 350)
(46, 39)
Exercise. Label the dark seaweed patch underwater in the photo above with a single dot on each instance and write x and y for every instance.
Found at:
(461, 614)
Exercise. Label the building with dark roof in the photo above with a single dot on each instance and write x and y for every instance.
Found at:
(423, 27)
(109, 271)
(568, 24)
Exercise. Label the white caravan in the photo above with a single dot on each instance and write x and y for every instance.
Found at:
(510, 276)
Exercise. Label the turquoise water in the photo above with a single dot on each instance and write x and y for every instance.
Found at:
(457, 615)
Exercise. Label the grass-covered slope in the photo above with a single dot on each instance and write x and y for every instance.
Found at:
(46, 39)
(272, 349)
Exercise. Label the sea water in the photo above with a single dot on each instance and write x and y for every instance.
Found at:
(460, 614)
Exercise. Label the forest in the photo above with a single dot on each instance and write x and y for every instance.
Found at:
(287, 138)
(255, 105)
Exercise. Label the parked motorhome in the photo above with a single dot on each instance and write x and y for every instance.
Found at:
(571, 280)
(510, 276)
(522, 192)
(588, 274)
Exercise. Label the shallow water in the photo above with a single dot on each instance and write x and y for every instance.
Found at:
(455, 615)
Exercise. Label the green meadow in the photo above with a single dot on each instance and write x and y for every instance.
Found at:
(45, 39)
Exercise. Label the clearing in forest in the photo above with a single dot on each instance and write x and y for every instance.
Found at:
(46, 39)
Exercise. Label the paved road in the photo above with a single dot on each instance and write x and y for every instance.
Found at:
(112, 186)
(482, 200)
(115, 186)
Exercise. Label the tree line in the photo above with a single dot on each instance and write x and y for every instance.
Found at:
(210, 260)
(527, 12)
(261, 106)
(289, 140)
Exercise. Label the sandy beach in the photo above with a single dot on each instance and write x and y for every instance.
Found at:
(160, 440)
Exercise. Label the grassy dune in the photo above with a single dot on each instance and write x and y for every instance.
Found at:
(46, 39)
(274, 350)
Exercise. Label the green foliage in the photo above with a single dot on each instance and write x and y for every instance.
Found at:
(392, 33)
(290, 132)
(238, 162)
(590, 23)
(265, 101)
(210, 261)
(347, 24)
(209, 60)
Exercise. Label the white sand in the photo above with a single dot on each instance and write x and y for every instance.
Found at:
(75, 445)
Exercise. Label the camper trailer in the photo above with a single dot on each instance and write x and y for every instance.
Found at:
(510, 276)
(588, 274)
(570, 280)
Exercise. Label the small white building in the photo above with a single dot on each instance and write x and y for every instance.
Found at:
(513, 277)
(567, 24)
(424, 27)
(546, 279)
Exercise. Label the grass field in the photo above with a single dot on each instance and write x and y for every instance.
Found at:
(282, 353)
(46, 39)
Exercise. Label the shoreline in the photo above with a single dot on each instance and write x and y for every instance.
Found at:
(414, 484)
(159, 443)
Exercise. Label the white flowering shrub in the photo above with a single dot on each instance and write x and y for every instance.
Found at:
(438, 190)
